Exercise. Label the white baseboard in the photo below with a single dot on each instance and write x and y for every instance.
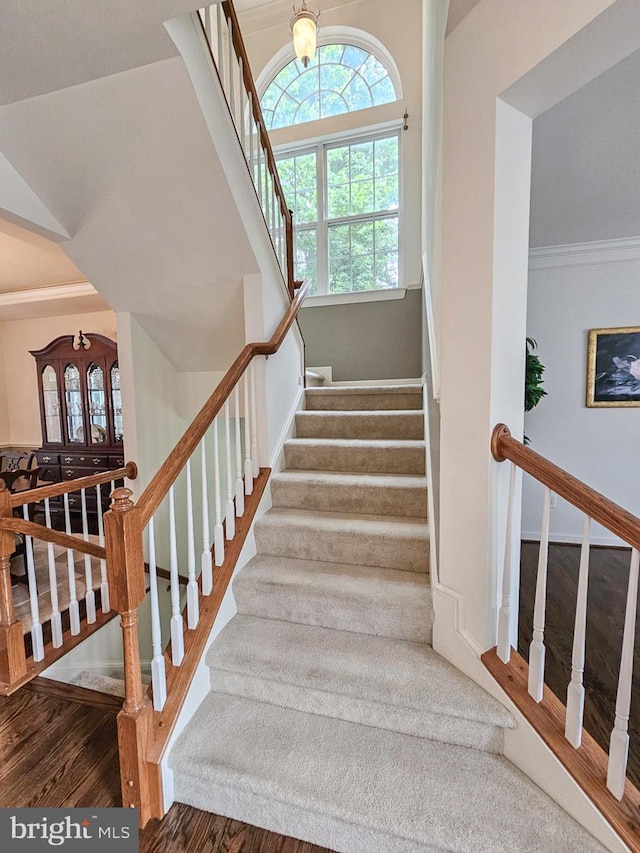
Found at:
(364, 382)
(610, 541)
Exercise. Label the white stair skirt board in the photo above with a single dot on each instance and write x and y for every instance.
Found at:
(330, 717)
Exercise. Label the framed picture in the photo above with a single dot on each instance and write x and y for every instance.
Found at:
(613, 367)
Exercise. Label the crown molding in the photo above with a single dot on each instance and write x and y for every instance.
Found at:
(583, 254)
(69, 290)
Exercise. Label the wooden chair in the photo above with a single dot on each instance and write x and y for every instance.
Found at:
(22, 460)
(21, 480)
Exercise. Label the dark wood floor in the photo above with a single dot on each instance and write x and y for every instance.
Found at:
(608, 578)
(55, 752)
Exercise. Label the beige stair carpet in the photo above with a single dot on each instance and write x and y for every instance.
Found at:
(330, 717)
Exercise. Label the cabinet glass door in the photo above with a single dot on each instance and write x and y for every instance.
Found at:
(116, 401)
(51, 401)
(97, 404)
(73, 400)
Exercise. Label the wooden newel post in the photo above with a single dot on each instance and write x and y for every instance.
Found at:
(125, 570)
(13, 662)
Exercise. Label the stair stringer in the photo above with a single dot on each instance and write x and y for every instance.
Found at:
(522, 745)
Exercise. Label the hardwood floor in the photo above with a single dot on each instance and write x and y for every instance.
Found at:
(608, 577)
(55, 752)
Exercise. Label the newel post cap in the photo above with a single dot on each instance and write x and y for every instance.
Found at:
(121, 499)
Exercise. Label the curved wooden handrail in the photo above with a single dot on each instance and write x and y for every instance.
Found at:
(29, 496)
(159, 486)
(38, 531)
(612, 516)
(241, 52)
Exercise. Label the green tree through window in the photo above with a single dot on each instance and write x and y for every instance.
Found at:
(341, 78)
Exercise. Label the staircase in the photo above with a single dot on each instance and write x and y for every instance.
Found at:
(330, 717)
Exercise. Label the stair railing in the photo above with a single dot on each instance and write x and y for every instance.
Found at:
(75, 608)
(229, 55)
(213, 483)
(603, 778)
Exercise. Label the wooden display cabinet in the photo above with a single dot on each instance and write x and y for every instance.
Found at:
(81, 414)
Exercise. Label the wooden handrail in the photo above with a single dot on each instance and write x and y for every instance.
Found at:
(595, 505)
(39, 531)
(29, 496)
(241, 52)
(159, 486)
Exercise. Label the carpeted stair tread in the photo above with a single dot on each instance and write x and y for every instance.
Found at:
(376, 681)
(330, 491)
(406, 424)
(359, 789)
(364, 540)
(356, 455)
(359, 398)
(362, 599)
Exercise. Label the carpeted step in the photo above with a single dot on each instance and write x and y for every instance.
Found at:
(361, 599)
(373, 494)
(362, 540)
(376, 681)
(358, 789)
(364, 397)
(365, 425)
(358, 455)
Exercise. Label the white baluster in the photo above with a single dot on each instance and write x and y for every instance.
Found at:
(266, 193)
(504, 616)
(74, 607)
(537, 649)
(232, 92)
(193, 614)
(207, 25)
(251, 132)
(259, 181)
(104, 583)
(89, 596)
(56, 618)
(206, 572)
(158, 673)
(575, 690)
(37, 642)
(220, 50)
(619, 744)
(242, 128)
(254, 422)
(239, 484)
(230, 523)
(218, 531)
(248, 464)
(177, 628)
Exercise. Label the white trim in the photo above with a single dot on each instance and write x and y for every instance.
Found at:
(46, 294)
(355, 134)
(360, 296)
(581, 254)
(333, 35)
(347, 383)
(610, 540)
(431, 330)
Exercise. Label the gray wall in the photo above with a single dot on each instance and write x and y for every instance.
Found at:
(366, 340)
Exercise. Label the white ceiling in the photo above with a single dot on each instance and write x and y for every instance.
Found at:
(28, 260)
(459, 9)
(585, 182)
(50, 45)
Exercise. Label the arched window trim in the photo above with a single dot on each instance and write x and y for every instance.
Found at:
(333, 35)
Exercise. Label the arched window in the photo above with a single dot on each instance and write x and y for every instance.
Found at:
(341, 78)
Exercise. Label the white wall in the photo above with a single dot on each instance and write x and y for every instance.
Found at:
(398, 27)
(5, 432)
(18, 367)
(567, 297)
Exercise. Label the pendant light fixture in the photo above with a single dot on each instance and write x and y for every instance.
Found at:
(304, 29)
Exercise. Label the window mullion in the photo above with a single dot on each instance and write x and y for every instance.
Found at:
(323, 241)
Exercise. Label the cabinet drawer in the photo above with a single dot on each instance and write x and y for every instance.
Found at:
(84, 460)
(49, 475)
(71, 472)
(75, 502)
(116, 462)
(46, 458)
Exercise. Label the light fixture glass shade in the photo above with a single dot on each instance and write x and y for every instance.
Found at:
(304, 28)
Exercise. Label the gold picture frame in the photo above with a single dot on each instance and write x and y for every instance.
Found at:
(613, 368)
